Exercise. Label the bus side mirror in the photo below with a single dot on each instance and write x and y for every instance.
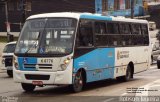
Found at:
(10, 38)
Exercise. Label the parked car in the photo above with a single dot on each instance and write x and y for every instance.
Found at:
(7, 57)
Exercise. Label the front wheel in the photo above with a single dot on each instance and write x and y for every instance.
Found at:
(158, 64)
(28, 87)
(78, 82)
(151, 60)
(10, 73)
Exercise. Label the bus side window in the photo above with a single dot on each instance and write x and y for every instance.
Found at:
(144, 29)
(100, 28)
(136, 29)
(145, 37)
(85, 36)
(114, 32)
(124, 28)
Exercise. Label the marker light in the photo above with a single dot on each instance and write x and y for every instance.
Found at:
(15, 63)
(3, 61)
(66, 61)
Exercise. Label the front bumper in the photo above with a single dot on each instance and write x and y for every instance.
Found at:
(55, 78)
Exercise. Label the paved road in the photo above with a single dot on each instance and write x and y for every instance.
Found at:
(145, 83)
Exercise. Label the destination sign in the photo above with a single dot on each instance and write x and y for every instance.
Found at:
(51, 23)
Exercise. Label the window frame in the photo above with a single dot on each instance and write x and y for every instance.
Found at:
(120, 38)
(78, 34)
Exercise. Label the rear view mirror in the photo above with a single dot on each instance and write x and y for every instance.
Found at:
(10, 38)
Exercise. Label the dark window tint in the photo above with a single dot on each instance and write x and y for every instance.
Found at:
(114, 34)
(85, 36)
(113, 28)
(9, 48)
(125, 28)
(144, 29)
(100, 28)
(136, 29)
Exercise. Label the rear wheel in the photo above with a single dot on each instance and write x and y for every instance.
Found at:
(78, 83)
(10, 73)
(28, 87)
(158, 64)
(128, 75)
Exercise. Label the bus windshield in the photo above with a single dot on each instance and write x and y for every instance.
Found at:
(47, 36)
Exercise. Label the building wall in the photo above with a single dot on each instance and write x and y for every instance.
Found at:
(155, 15)
(44, 6)
(119, 7)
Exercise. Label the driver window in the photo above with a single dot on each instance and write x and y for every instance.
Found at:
(85, 37)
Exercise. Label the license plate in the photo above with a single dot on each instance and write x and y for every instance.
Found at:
(37, 82)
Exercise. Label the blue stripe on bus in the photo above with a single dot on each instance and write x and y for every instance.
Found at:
(27, 60)
(96, 17)
(99, 64)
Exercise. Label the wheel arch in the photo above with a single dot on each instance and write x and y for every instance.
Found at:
(83, 71)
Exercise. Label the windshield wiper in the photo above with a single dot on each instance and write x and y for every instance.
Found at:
(34, 45)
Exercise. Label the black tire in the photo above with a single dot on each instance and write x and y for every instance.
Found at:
(10, 73)
(78, 83)
(128, 75)
(158, 65)
(28, 87)
(151, 60)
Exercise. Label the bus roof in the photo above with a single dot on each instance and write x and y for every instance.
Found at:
(13, 42)
(61, 14)
(86, 16)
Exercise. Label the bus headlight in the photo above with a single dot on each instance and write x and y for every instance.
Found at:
(63, 67)
(65, 64)
(16, 65)
(3, 61)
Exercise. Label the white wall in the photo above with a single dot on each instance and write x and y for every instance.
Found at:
(16, 34)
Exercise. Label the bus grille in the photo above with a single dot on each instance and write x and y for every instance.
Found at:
(29, 65)
(8, 61)
(45, 66)
(37, 77)
(39, 66)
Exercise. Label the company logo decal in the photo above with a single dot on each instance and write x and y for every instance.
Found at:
(122, 54)
(25, 60)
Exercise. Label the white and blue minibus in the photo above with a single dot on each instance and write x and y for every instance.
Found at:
(77, 48)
